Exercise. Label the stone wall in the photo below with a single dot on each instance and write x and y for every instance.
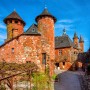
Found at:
(14, 29)
(22, 49)
(27, 48)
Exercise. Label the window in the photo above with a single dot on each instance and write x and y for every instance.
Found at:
(75, 52)
(44, 58)
(28, 61)
(57, 64)
(33, 30)
(63, 63)
(16, 21)
(10, 21)
(12, 50)
(60, 52)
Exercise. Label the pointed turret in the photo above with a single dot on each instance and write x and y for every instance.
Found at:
(75, 39)
(81, 39)
(44, 14)
(15, 25)
(64, 31)
(14, 15)
(75, 35)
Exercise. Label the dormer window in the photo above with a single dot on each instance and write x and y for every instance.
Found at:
(33, 30)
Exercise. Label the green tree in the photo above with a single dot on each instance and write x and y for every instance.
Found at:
(41, 81)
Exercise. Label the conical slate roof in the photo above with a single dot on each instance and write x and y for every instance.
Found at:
(45, 13)
(81, 39)
(14, 15)
(75, 35)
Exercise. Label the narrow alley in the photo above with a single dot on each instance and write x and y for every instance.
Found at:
(68, 81)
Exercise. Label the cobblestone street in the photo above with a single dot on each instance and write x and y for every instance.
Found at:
(68, 81)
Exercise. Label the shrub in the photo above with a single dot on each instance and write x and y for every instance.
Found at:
(40, 81)
(54, 76)
(2, 87)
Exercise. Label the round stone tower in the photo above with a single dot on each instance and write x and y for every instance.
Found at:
(15, 25)
(46, 27)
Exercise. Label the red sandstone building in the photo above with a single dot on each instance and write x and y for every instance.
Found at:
(67, 52)
(38, 43)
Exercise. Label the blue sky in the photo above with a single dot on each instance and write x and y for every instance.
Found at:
(74, 15)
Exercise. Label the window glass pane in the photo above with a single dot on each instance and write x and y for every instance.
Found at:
(44, 58)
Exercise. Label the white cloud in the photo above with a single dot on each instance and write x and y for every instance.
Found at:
(2, 32)
(65, 21)
(2, 26)
(2, 36)
(62, 26)
(86, 40)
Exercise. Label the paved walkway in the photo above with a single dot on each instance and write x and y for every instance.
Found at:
(68, 81)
